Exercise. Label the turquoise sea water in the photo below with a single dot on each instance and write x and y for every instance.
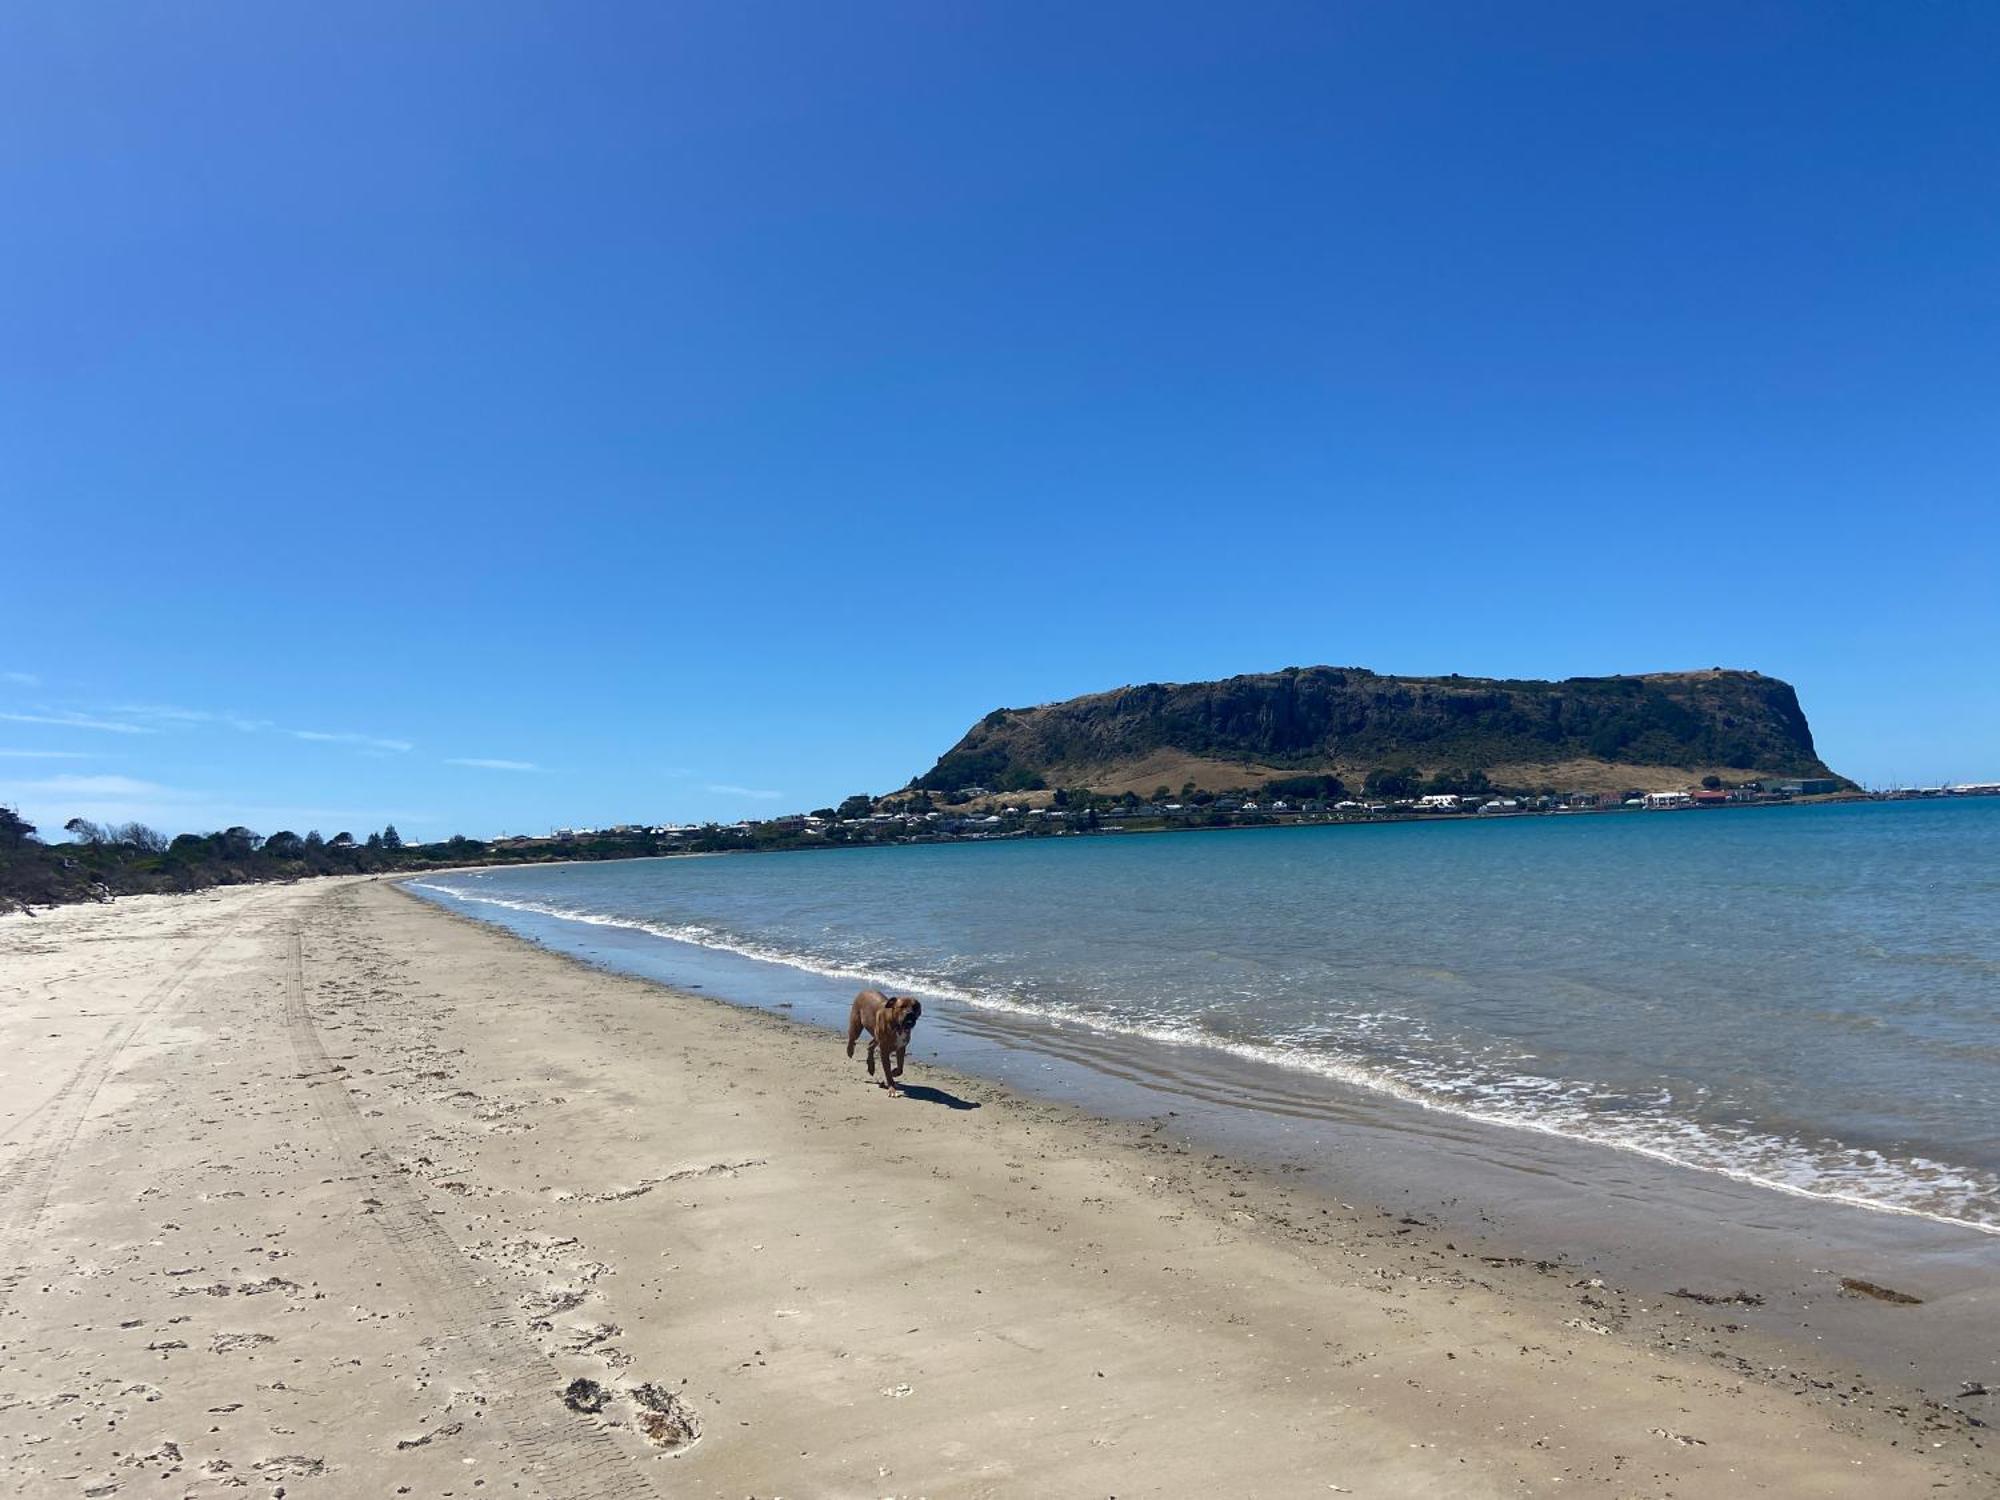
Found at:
(1805, 998)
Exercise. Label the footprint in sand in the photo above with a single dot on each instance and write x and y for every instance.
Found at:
(664, 1419)
(541, 1306)
(229, 1343)
(289, 1466)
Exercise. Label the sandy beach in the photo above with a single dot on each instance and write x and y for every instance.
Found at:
(318, 1190)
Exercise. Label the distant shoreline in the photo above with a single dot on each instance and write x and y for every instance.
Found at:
(44, 876)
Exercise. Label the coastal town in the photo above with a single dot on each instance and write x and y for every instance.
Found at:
(975, 813)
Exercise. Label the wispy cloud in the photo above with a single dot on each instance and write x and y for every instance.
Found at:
(723, 789)
(488, 763)
(174, 714)
(98, 786)
(67, 720)
(153, 716)
(45, 755)
(348, 737)
(51, 801)
(21, 679)
(156, 718)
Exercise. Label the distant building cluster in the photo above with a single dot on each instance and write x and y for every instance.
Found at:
(1954, 789)
(912, 817)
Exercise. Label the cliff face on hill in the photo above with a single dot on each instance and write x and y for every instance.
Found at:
(1584, 733)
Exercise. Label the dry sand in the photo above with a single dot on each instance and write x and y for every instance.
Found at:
(319, 1191)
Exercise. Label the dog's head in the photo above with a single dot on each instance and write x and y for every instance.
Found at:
(903, 1013)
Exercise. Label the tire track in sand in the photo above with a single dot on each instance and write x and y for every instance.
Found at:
(17, 1130)
(561, 1455)
(51, 1126)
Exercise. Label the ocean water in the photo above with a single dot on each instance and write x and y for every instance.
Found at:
(1806, 998)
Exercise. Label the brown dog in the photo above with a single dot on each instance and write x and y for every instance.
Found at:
(888, 1020)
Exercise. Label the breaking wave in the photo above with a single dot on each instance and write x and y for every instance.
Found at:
(1827, 1170)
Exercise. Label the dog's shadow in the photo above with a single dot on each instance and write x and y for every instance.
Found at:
(924, 1093)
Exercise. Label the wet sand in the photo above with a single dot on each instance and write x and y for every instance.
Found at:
(1649, 1227)
(320, 1190)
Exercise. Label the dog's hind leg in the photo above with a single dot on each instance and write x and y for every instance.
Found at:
(871, 1057)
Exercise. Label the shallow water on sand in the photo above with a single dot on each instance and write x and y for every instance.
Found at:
(1801, 999)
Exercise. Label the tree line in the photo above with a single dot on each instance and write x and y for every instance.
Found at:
(102, 860)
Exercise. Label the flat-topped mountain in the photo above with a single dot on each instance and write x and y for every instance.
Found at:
(1657, 731)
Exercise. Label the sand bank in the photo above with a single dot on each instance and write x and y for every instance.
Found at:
(319, 1190)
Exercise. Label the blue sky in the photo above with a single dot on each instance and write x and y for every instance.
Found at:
(487, 416)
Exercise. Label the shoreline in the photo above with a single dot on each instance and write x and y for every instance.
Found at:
(1385, 1087)
(1656, 1226)
(360, 1127)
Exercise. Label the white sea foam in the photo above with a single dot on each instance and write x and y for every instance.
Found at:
(1914, 1186)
